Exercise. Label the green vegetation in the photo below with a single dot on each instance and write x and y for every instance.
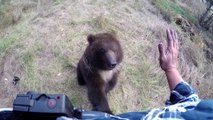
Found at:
(56, 2)
(60, 58)
(6, 43)
(28, 64)
(171, 8)
(20, 32)
(9, 15)
(198, 40)
(104, 23)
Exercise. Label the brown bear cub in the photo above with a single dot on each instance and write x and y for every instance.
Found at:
(97, 69)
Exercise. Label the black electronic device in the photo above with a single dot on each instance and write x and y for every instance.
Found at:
(42, 106)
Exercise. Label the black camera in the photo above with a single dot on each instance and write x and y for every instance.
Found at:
(42, 106)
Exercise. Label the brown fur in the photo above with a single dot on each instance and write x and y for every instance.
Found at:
(97, 69)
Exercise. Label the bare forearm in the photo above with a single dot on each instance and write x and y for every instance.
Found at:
(173, 77)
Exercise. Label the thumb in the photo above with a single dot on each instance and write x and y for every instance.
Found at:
(161, 50)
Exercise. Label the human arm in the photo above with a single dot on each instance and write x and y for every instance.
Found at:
(168, 59)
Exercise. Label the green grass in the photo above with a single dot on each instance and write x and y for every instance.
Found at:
(56, 2)
(29, 68)
(6, 43)
(60, 58)
(13, 40)
(28, 63)
(21, 31)
(134, 74)
(7, 15)
(16, 41)
(147, 80)
(167, 6)
(104, 23)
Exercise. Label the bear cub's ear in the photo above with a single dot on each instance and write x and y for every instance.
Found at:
(90, 38)
(113, 33)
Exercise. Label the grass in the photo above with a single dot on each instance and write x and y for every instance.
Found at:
(6, 43)
(60, 58)
(198, 40)
(12, 41)
(7, 15)
(49, 47)
(29, 69)
(167, 6)
(56, 2)
(103, 23)
(147, 78)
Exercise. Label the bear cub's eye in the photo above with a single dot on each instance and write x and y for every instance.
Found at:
(101, 50)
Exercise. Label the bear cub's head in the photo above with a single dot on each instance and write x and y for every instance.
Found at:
(104, 51)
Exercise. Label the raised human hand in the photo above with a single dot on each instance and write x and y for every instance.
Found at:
(168, 55)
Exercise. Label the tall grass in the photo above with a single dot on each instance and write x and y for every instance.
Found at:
(171, 8)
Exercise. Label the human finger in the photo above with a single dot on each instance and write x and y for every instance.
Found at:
(173, 35)
(161, 49)
(175, 40)
(169, 39)
(176, 36)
